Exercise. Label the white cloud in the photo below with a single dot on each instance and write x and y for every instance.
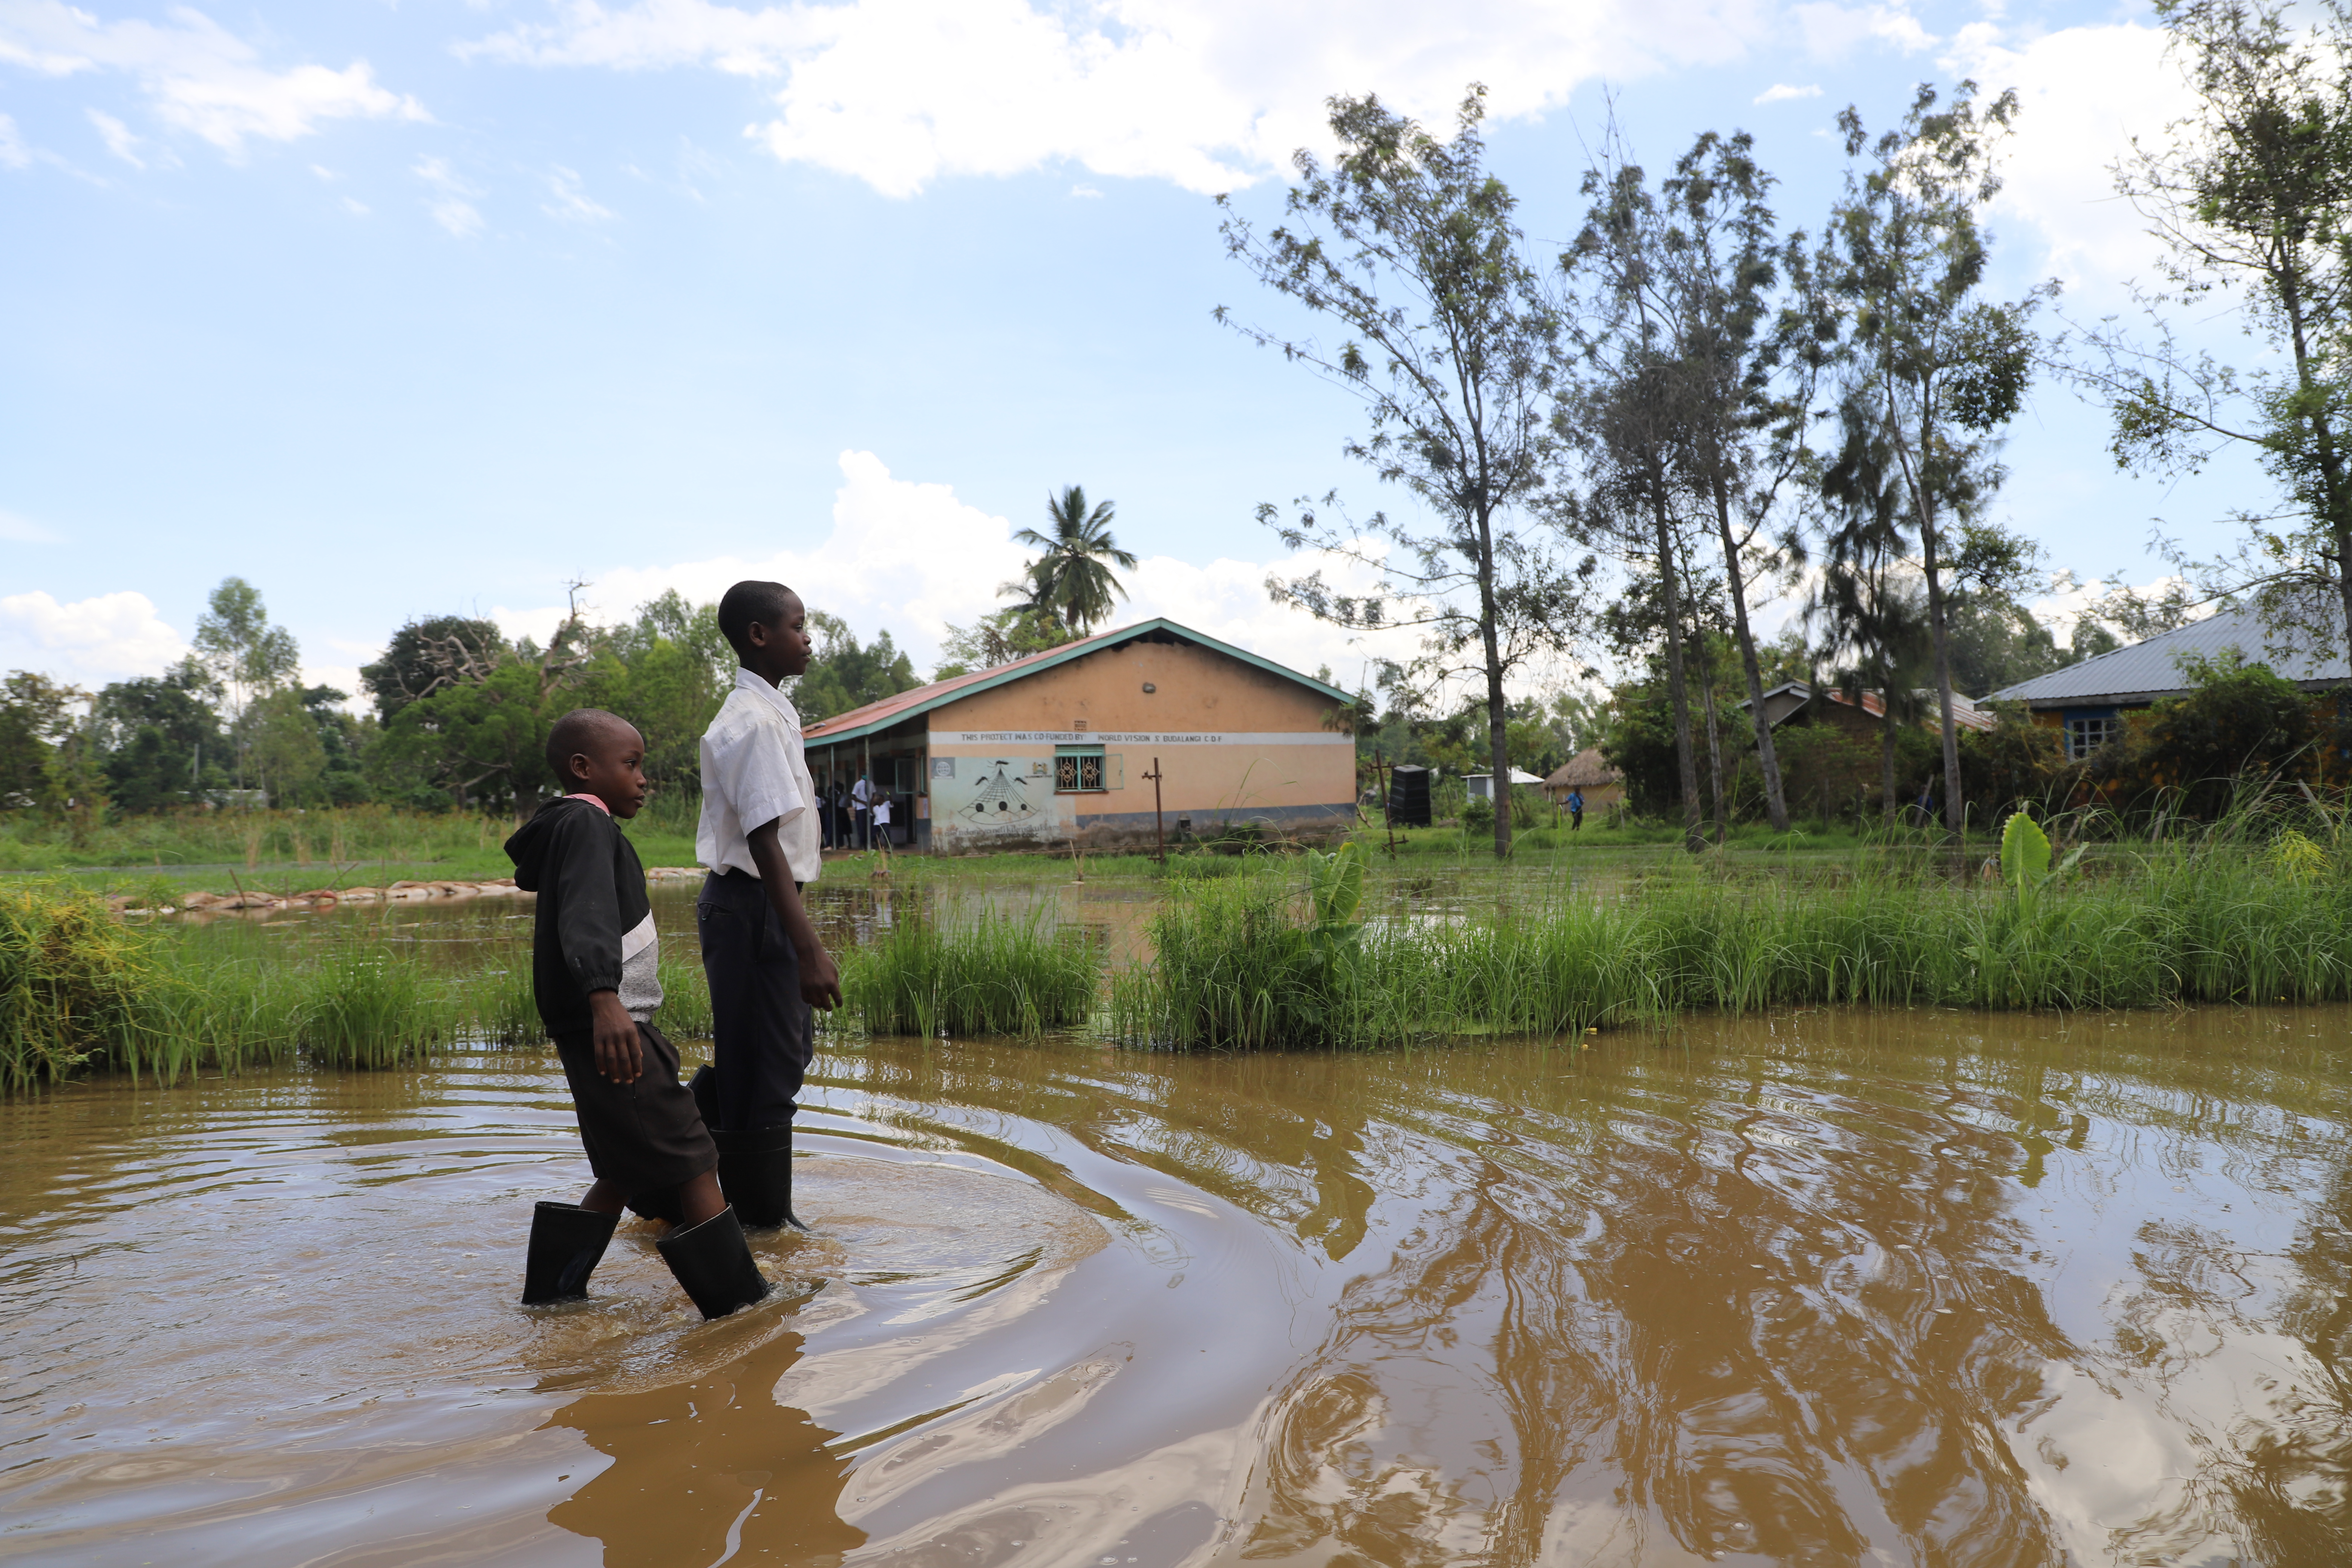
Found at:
(1780, 92)
(15, 530)
(2083, 93)
(198, 76)
(2065, 603)
(14, 154)
(1086, 193)
(571, 204)
(118, 138)
(1210, 94)
(449, 208)
(913, 559)
(354, 206)
(110, 637)
(1833, 32)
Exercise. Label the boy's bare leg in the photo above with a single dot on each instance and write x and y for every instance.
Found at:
(697, 1200)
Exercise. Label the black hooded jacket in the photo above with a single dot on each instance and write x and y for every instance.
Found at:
(592, 900)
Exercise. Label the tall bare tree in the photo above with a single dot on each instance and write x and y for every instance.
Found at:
(1452, 343)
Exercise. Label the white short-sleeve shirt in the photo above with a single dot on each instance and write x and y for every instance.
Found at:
(754, 772)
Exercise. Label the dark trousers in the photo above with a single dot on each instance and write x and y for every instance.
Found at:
(761, 1038)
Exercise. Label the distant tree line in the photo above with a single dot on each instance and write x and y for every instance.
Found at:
(458, 712)
(1693, 402)
(457, 719)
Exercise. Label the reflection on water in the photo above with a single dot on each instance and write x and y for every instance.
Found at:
(1840, 1289)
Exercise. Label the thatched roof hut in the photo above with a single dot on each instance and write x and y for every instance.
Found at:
(1589, 772)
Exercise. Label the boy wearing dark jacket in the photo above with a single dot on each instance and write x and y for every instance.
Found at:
(596, 977)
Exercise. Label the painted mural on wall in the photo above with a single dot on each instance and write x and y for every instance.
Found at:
(1008, 795)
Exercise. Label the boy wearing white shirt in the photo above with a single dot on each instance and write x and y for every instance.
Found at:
(761, 837)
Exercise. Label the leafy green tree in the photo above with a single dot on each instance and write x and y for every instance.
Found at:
(162, 740)
(283, 747)
(427, 654)
(2240, 728)
(245, 653)
(1868, 606)
(36, 717)
(1070, 580)
(666, 672)
(1932, 365)
(1621, 418)
(343, 742)
(236, 637)
(1009, 634)
(845, 675)
(1451, 342)
(73, 789)
(1739, 399)
(479, 736)
(2249, 196)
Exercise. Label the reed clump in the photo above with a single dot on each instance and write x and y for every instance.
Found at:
(72, 980)
(986, 978)
(1238, 965)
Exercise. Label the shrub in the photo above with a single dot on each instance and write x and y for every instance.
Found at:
(71, 982)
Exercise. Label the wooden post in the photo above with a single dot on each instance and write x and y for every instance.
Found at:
(1380, 771)
(1158, 825)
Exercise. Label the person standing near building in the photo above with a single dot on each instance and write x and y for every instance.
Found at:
(1575, 809)
(759, 836)
(861, 802)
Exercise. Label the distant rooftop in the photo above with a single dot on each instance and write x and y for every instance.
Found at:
(2149, 670)
(891, 710)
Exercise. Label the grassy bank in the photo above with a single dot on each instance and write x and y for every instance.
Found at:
(991, 977)
(1246, 956)
(286, 852)
(1246, 965)
(81, 990)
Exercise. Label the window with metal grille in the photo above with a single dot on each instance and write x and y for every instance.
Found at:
(1079, 770)
(2085, 735)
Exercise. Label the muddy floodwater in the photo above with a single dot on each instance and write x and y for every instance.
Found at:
(1823, 1289)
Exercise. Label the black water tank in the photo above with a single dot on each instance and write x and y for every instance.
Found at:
(1408, 796)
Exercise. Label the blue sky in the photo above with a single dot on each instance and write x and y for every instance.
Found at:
(402, 309)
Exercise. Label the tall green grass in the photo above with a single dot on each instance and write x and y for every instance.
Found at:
(989, 977)
(70, 983)
(1236, 965)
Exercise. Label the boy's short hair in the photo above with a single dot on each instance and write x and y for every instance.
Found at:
(578, 732)
(748, 602)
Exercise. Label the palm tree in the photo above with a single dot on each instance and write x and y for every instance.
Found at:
(1069, 580)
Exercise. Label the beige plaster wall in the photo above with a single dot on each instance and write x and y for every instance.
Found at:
(1233, 743)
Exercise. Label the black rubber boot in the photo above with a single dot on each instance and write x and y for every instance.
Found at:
(566, 1244)
(755, 1174)
(713, 1263)
(755, 1168)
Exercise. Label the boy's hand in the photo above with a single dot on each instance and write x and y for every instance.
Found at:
(620, 1055)
(819, 980)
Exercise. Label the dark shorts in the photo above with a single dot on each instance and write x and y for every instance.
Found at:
(646, 1138)
(761, 1034)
